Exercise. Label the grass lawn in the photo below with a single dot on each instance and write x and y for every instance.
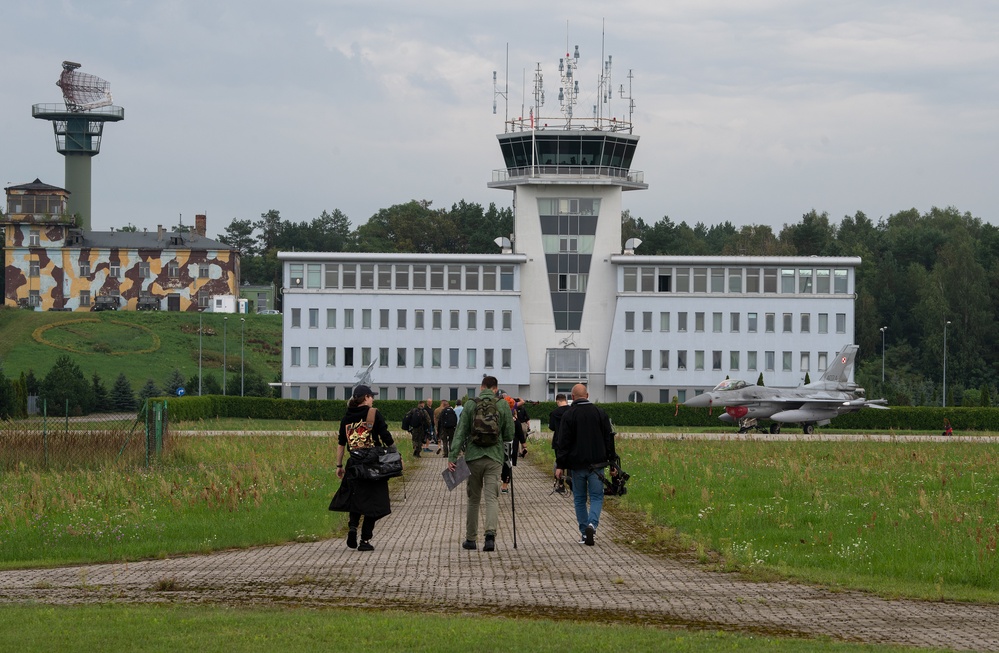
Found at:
(149, 629)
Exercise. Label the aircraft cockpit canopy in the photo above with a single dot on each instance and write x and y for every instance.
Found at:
(730, 384)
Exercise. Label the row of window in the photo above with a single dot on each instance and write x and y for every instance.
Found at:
(384, 320)
(801, 281)
(35, 298)
(735, 360)
(330, 392)
(402, 359)
(114, 272)
(399, 276)
(735, 322)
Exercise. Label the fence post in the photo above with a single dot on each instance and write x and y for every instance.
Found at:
(67, 416)
(45, 431)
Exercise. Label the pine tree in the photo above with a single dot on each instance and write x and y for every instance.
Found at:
(149, 390)
(66, 387)
(122, 396)
(759, 381)
(102, 400)
(173, 383)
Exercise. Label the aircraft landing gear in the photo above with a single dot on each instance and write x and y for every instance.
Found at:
(808, 428)
(775, 428)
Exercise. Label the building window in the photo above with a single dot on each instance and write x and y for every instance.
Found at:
(367, 276)
(751, 361)
(716, 322)
(769, 359)
(383, 357)
(490, 320)
(699, 322)
(629, 320)
(805, 360)
(665, 281)
(313, 318)
(400, 393)
(331, 357)
(734, 323)
(349, 277)
(34, 238)
(681, 321)
(751, 322)
(647, 321)
(716, 360)
(383, 318)
(840, 281)
(400, 357)
(365, 356)
(85, 269)
(840, 322)
(630, 279)
(419, 280)
(144, 270)
(506, 277)
(296, 318)
(203, 270)
(487, 358)
(471, 318)
(646, 359)
(330, 318)
(507, 355)
(698, 360)
(735, 280)
(296, 392)
(296, 356)
(296, 275)
(313, 356)
(454, 277)
(681, 360)
(84, 298)
(805, 282)
(330, 392)
(332, 280)
(787, 281)
(823, 323)
(489, 277)
(33, 269)
(806, 322)
(314, 275)
(664, 359)
(718, 280)
(114, 270)
(435, 357)
(471, 277)
(437, 277)
(418, 318)
(788, 317)
(470, 359)
(173, 269)
(418, 357)
(402, 279)
(454, 319)
(664, 321)
(733, 360)
(700, 280)
(786, 361)
(365, 318)
(438, 317)
(348, 359)
(348, 318)
(400, 318)
(823, 361)
(771, 319)
(507, 320)
(313, 392)
(385, 277)
(822, 281)
(452, 358)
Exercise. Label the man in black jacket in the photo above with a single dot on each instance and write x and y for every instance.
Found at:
(585, 445)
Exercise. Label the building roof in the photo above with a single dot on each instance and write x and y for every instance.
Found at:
(149, 240)
(37, 185)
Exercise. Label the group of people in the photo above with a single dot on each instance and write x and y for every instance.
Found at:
(490, 432)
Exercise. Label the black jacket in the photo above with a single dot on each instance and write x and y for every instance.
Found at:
(369, 498)
(585, 437)
(554, 422)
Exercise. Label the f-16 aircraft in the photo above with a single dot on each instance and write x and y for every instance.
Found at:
(809, 404)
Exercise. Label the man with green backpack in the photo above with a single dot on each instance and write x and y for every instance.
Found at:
(482, 432)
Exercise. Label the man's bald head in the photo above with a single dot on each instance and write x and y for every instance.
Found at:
(579, 392)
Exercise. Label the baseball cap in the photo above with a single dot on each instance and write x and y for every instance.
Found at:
(362, 391)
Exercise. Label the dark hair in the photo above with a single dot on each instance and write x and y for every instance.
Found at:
(490, 382)
(561, 397)
(354, 402)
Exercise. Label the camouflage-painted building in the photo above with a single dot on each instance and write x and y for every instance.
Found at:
(50, 264)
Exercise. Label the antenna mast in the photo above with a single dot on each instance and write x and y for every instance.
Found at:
(506, 89)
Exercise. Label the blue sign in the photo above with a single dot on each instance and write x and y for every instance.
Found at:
(180, 392)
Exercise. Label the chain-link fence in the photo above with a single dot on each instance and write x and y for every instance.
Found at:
(44, 442)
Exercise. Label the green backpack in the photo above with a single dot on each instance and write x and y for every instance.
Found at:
(485, 423)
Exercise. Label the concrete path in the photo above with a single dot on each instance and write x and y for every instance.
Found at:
(418, 564)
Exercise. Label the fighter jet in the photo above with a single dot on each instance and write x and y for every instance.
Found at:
(809, 404)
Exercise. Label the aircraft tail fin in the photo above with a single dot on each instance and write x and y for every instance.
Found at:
(841, 367)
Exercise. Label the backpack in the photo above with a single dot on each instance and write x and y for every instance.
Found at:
(359, 433)
(485, 423)
(449, 418)
(414, 421)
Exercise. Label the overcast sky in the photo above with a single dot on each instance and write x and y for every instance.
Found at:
(751, 111)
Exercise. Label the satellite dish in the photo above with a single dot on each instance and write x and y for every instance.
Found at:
(81, 91)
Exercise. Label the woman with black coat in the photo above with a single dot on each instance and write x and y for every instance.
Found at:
(361, 497)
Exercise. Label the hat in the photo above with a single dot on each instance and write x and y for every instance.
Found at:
(362, 391)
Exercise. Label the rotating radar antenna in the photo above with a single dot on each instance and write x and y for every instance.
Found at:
(81, 91)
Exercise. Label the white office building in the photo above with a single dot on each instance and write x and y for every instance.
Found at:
(562, 301)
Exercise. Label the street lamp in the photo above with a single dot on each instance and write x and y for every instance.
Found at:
(945, 365)
(242, 323)
(225, 324)
(883, 329)
(200, 332)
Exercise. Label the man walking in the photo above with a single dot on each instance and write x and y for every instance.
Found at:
(585, 445)
(482, 432)
(417, 422)
(447, 421)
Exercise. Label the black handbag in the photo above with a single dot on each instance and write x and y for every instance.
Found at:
(374, 463)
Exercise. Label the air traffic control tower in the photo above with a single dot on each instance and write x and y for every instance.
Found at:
(567, 175)
(78, 126)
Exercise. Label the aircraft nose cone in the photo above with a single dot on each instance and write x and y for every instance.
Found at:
(700, 401)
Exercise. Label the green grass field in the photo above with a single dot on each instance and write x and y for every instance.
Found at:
(143, 345)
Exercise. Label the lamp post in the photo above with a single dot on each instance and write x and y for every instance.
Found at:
(945, 365)
(225, 324)
(242, 323)
(200, 332)
(883, 329)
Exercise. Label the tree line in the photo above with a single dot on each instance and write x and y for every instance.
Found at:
(920, 273)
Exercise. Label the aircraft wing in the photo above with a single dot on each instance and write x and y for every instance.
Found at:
(825, 409)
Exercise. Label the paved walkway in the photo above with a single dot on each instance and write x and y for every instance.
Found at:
(419, 564)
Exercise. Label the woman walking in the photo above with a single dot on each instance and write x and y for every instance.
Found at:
(362, 427)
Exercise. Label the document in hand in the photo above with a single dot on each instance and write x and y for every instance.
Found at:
(460, 473)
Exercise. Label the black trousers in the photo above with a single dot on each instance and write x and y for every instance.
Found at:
(367, 529)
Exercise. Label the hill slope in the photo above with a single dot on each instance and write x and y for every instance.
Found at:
(146, 345)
